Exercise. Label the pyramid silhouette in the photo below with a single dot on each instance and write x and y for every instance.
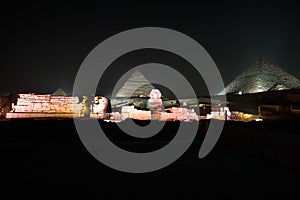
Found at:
(136, 80)
(260, 77)
(59, 92)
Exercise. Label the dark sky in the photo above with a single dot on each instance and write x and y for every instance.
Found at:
(44, 44)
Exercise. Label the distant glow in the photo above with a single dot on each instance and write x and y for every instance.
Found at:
(240, 93)
(247, 116)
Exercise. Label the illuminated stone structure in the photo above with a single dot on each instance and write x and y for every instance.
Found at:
(182, 114)
(155, 104)
(35, 105)
(131, 112)
(136, 80)
(155, 99)
(260, 77)
(221, 113)
(99, 107)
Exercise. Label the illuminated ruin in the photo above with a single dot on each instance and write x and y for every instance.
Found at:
(143, 103)
(36, 105)
(33, 105)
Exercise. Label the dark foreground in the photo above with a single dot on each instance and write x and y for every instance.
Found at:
(46, 160)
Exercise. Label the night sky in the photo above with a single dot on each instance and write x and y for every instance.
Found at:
(44, 44)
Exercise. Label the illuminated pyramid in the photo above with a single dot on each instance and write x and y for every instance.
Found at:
(136, 80)
(59, 92)
(260, 77)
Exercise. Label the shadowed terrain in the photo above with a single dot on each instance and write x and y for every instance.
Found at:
(45, 159)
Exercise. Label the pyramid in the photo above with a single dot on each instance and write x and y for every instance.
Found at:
(262, 76)
(59, 92)
(137, 79)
